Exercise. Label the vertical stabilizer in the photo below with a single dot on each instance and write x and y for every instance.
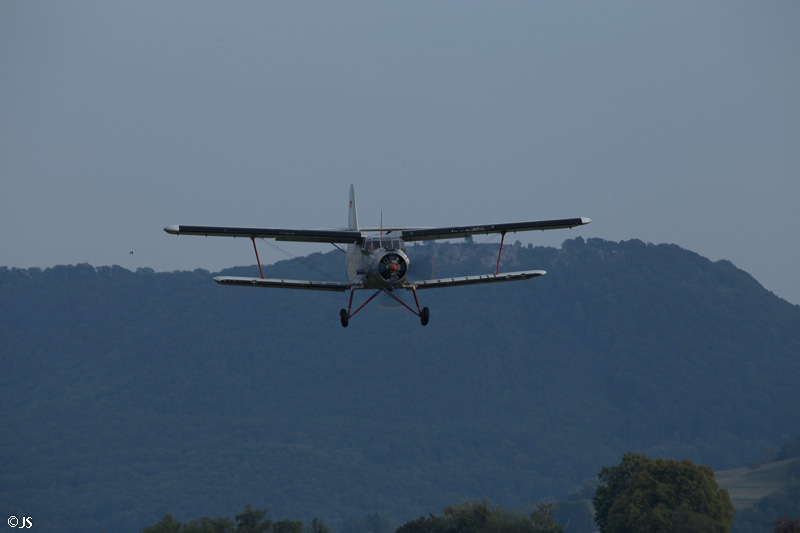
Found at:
(352, 215)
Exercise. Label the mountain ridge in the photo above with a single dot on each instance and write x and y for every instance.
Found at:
(163, 392)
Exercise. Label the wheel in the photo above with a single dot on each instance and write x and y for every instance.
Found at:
(425, 316)
(344, 318)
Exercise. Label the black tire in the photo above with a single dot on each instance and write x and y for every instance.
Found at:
(344, 318)
(425, 316)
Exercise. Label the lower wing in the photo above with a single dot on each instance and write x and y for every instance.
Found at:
(473, 280)
(283, 283)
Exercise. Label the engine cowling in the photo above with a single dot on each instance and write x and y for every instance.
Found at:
(392, 267)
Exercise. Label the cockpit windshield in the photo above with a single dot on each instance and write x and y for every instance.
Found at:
(387, 243)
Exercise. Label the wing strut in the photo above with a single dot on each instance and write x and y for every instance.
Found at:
(500, 251)
(253, 238)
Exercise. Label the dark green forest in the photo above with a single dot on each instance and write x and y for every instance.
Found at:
(130, 395)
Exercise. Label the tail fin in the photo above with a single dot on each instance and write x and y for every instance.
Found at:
(352, 215)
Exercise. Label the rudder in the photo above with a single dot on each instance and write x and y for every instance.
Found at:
(352, 215)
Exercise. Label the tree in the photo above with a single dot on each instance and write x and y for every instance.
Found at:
(287, 526)
(317, 526)
(166, 525)
(660, 495)
(210, 525)
(543, 521)
(472, 516)
(253, 521)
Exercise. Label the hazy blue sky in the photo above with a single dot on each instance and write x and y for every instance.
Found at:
(671, 122)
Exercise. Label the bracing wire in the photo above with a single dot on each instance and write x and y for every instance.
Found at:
(302, 261)
(465, 258)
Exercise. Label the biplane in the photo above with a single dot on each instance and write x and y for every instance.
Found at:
(375, 257)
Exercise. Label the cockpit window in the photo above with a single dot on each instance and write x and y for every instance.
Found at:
(386, 243)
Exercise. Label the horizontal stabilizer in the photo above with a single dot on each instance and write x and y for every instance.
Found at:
(283, 283)
(474, 280)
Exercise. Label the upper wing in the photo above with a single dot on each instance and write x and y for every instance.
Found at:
(456, 232)
(473, 280)
(283, 283)
(299, 235)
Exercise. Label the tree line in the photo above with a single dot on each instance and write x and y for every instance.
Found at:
(639, 494)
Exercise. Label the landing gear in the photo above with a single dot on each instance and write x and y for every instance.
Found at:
(424, 313)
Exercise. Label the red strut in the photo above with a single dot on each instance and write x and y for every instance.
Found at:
(253, 238)
(497, 268)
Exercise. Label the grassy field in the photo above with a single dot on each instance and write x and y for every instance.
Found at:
(748, 485)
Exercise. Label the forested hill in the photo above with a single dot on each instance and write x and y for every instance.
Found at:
(126, 395)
